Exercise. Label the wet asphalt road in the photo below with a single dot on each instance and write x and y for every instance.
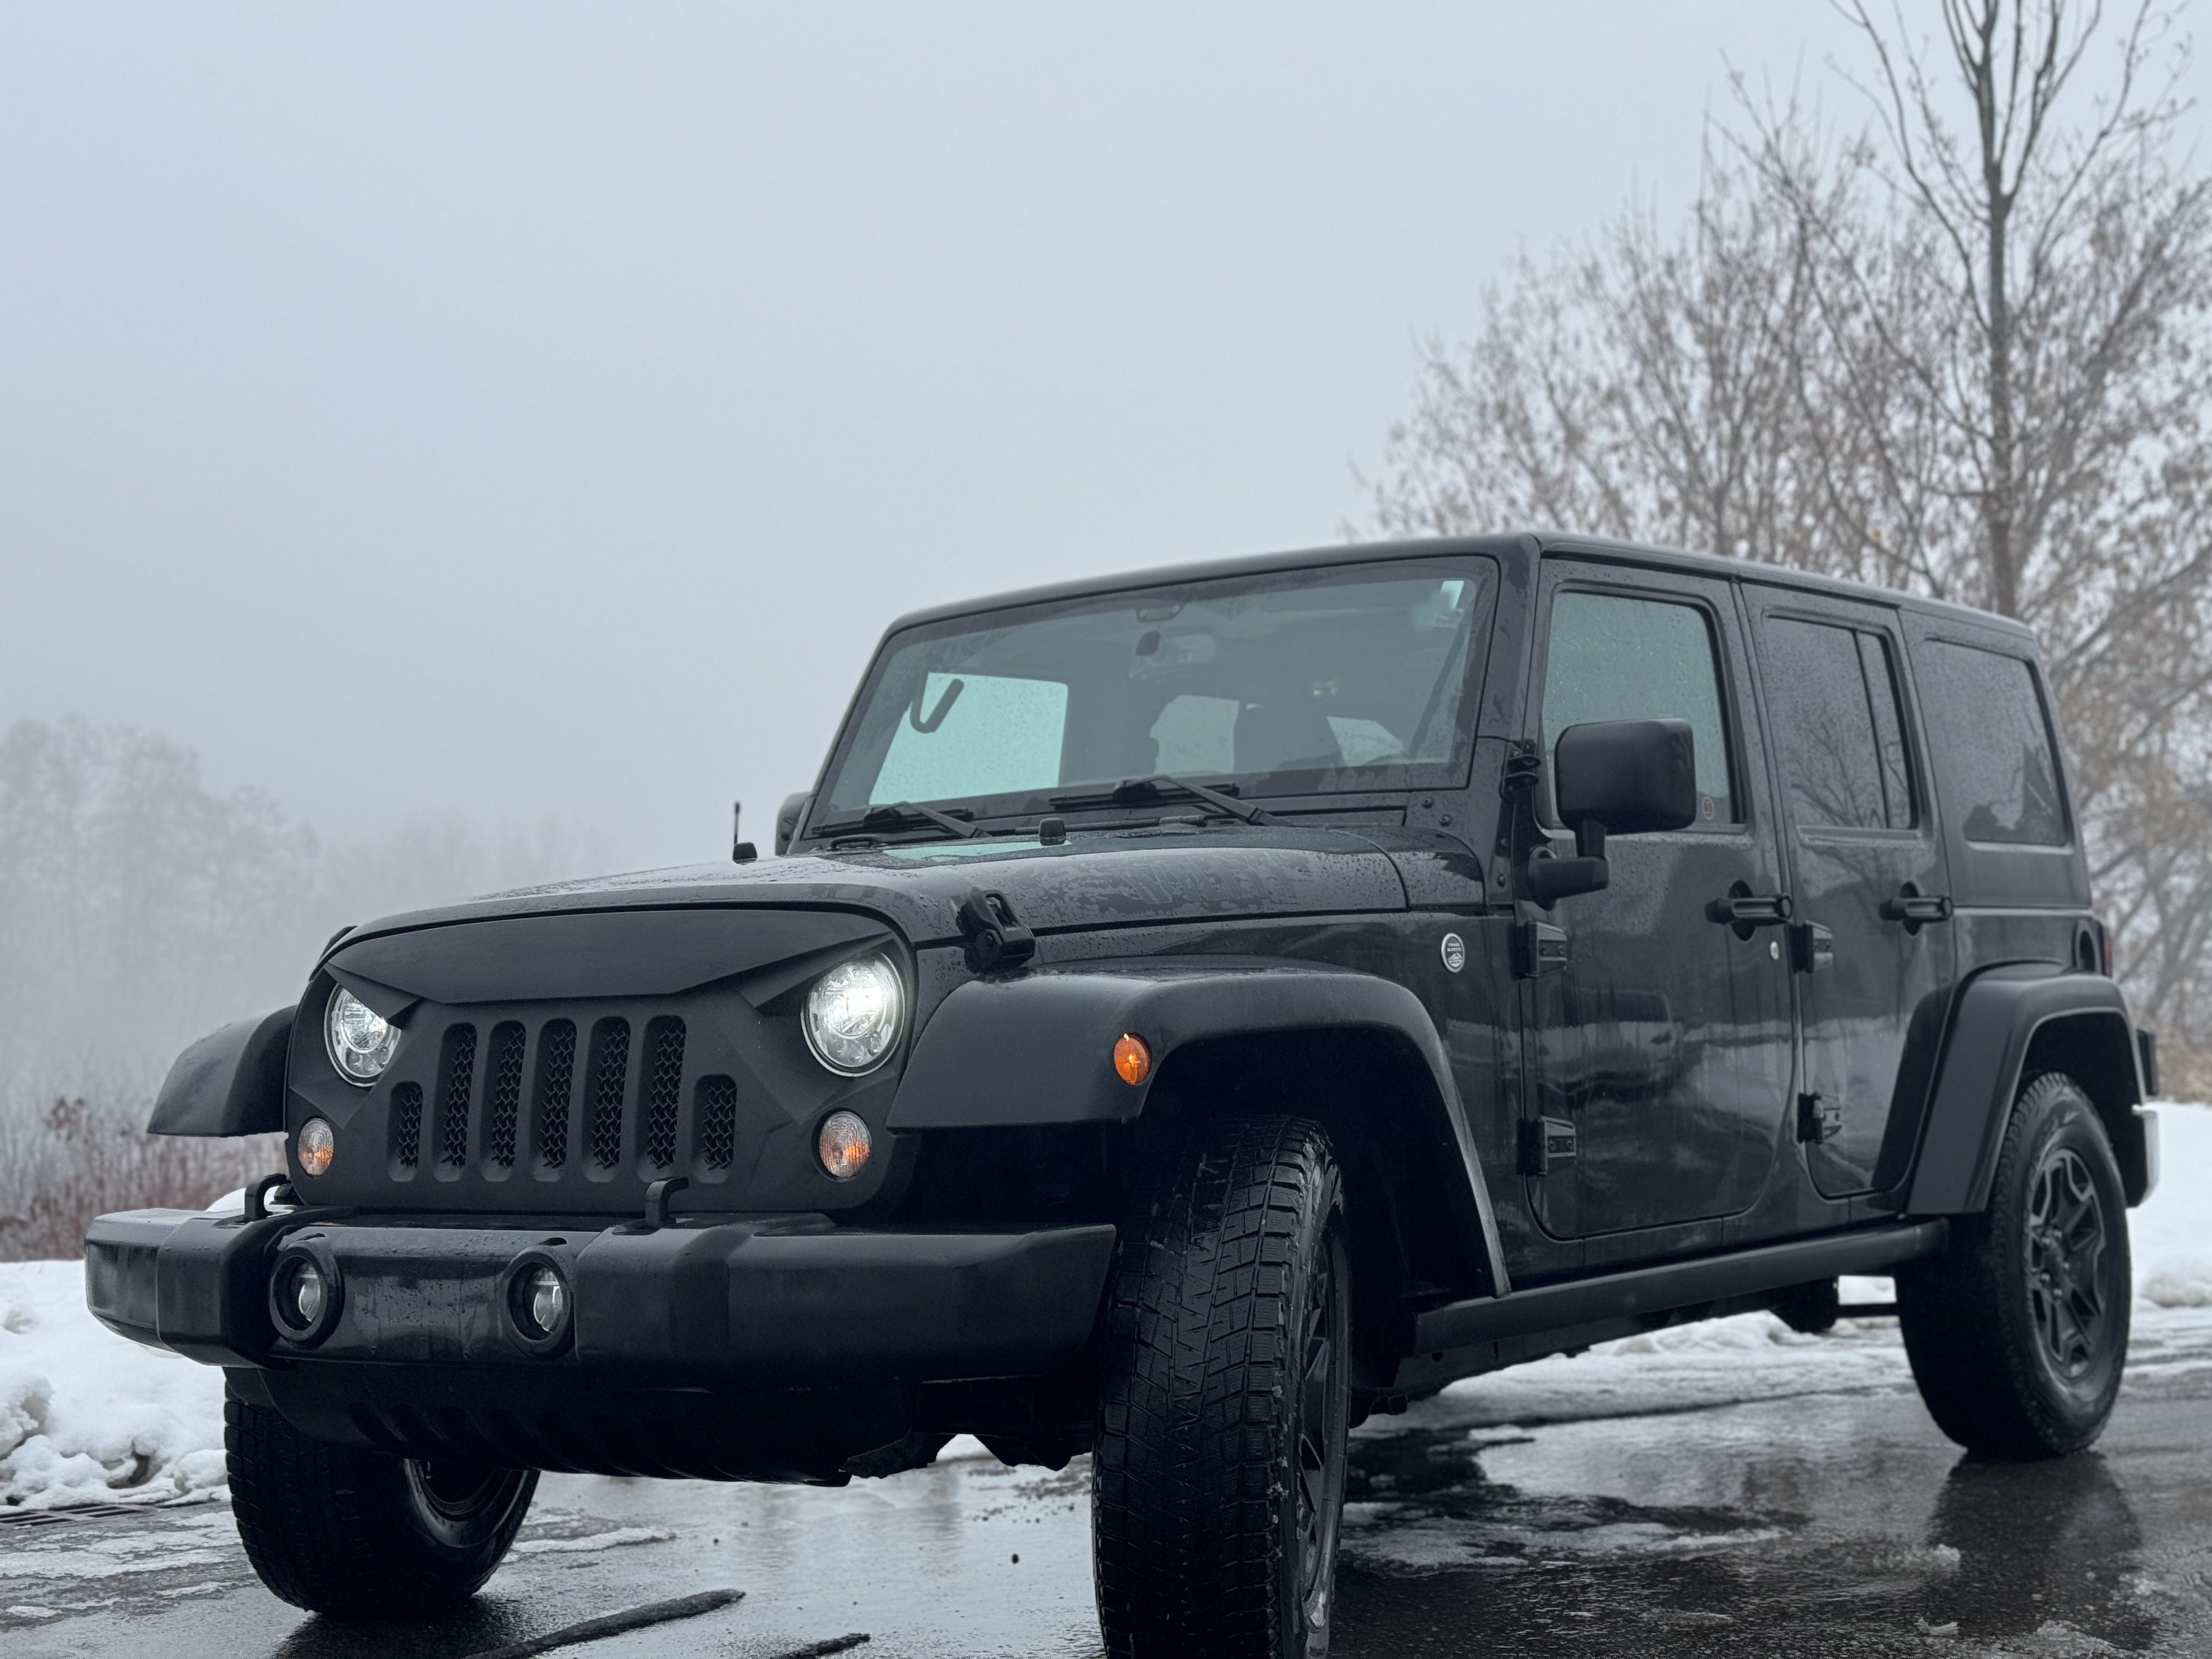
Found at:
(1826, 1519)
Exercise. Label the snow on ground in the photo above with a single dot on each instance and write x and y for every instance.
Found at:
(87, 1417)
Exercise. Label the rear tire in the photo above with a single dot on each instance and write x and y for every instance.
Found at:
(357, 1534)
(2018, 1335)
(1218, 1480)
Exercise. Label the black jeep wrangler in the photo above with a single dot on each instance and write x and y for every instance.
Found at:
(1196, 1011)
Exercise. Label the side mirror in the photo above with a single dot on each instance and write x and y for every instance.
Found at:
(786, 819)
(1618, 777)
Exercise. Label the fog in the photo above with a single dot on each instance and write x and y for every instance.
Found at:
(508, 428)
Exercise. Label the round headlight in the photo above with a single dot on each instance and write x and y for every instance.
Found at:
(853, 1014)
(361, 1040)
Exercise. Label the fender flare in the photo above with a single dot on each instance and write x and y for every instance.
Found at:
(1995, 1020)
(231, 1083)
(1036, 1048)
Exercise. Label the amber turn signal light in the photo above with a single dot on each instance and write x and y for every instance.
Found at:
(1133, 1060)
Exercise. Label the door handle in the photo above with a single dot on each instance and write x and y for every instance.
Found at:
(1915, 909)
(1747, 911)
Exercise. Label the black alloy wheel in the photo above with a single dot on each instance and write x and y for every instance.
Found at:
(1217, 1477)
(2018, 1334)
(1323, 1426)
(2066, 1245)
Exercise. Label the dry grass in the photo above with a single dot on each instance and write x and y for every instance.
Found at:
(73, 1157)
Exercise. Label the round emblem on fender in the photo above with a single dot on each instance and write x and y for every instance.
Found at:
(1454, 952)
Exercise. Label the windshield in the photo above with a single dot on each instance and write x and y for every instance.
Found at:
(1290, 683)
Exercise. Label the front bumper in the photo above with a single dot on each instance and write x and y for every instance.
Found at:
(779, 1301)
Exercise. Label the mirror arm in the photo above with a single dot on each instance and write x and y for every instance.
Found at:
(1590, 839)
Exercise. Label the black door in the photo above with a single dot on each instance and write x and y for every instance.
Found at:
(1866, 867)
(1661, 1053)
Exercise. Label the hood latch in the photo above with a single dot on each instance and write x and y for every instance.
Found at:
(996, 939)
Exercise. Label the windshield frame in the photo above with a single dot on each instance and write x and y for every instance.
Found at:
(1360, 785)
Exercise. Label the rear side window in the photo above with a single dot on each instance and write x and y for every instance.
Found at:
(1998, 766)
(1832, 704)
(1614, 658)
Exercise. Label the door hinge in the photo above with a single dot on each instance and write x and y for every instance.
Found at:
(1812, 947)
(1819, 1118)
(1538, 948)
(1546, 1146)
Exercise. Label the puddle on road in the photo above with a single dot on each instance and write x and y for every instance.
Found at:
(1859, 1533)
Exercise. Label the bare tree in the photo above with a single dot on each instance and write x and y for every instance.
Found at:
(1965, 351)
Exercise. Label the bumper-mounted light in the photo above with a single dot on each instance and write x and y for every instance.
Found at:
(540, 1301)
(306, 1290)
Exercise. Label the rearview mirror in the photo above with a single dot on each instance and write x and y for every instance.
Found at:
(1626, 778)
(1619, 777)
(786, 819)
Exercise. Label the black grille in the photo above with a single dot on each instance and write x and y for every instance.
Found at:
(503, 1095)
(664, 1089)
(597, 1097)
(407, 1125)
(556, 1070)
(717, 1122)
(610, 1071)
(457, 1073)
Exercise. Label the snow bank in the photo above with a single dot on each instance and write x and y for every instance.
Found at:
(86, 1417)
(2171, 1236)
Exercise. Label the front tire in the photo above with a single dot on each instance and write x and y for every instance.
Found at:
(358, 1535)
(2019, 1334)
(1218, 1480)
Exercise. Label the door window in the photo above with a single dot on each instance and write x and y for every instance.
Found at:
(1832, 701)
(1617, 657)
(1999, 767)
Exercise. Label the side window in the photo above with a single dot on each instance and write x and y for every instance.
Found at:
(1832, 702)
(975, 734)
(1997, 766)
(1880, 662)
(1614, 658)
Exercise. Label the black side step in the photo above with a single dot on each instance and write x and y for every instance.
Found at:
(1674, 1284)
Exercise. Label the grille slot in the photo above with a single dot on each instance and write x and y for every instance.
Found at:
(457, 1068)
(556, 1072)
(503, 1095)
(664, 1088)
(715, 1118)
(407, 1126)
(609, 1074)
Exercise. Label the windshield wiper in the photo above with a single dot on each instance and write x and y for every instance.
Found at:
(900, 815)
(1134, 789)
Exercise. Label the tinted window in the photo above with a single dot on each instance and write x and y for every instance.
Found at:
(1613, 658)
(1998, 769)
(1832, 705)
(1879, 663)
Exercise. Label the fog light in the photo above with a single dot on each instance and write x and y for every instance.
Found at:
(304, 1295)
(540, 1301)
(317, 1142)
(844, 1144)
(1133, 1059)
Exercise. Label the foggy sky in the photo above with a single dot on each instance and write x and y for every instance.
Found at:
(523, 410)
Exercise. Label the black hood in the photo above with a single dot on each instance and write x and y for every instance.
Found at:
(1100, 880)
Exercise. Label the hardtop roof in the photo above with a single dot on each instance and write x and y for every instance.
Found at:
(1523, 547)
